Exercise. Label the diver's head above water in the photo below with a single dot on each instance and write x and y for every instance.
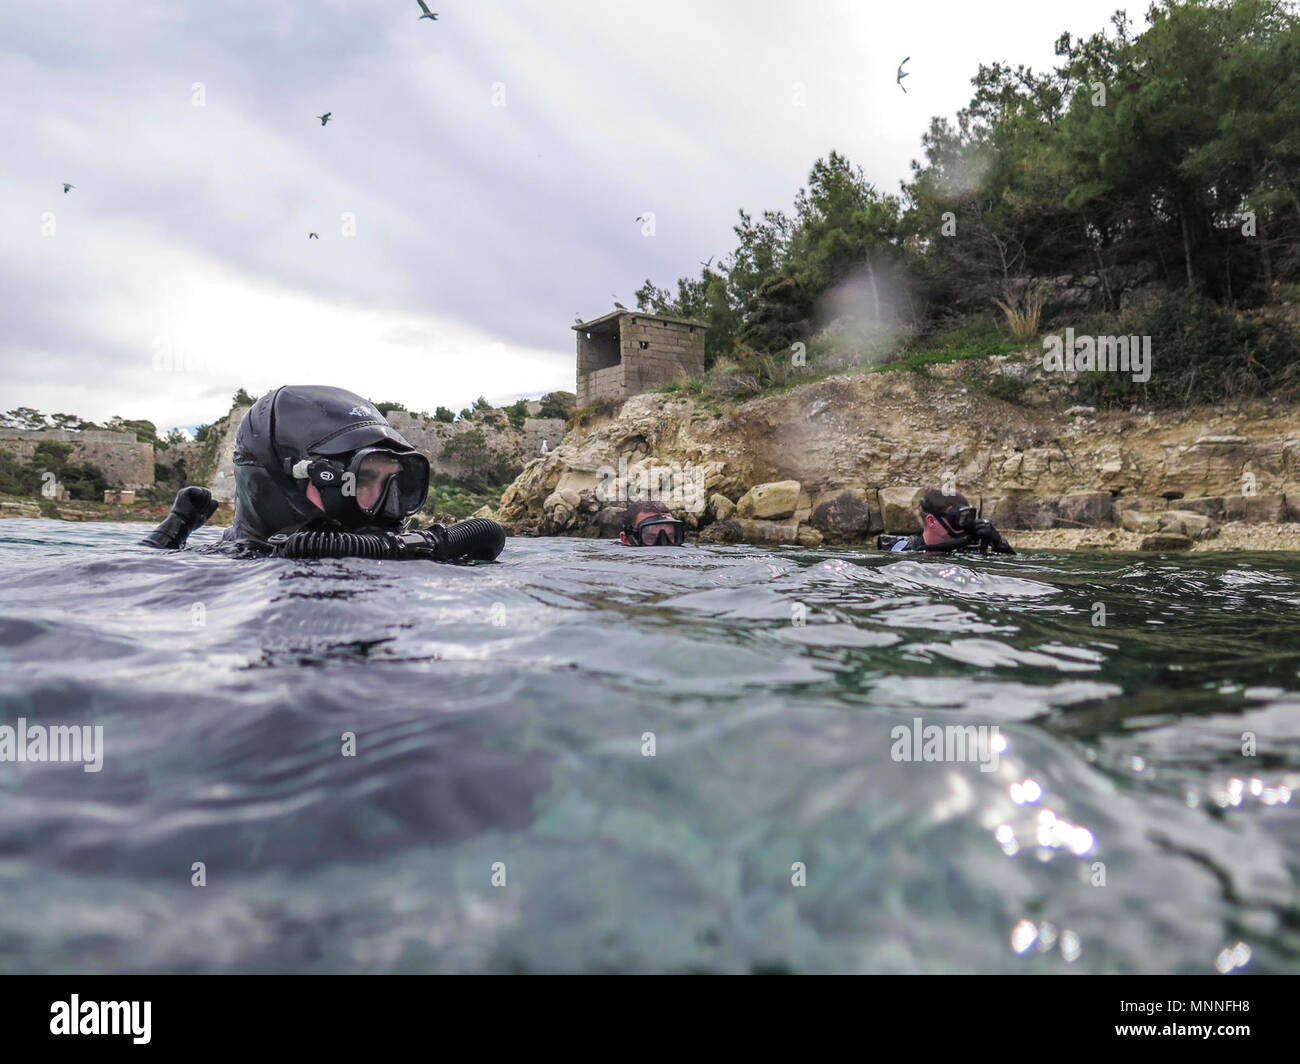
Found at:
(649, 523)
(945, 516)
(311, 457)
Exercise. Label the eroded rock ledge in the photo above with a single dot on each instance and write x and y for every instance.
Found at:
(840, 459)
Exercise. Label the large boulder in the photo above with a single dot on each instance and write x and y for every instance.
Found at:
(758, 531)
(1187, 523)
(1019, 511)
(1138, 521)
(720, 507)
(728, 531)
(1211, 506)
(1088, 509)
(900, 510)
(849, 513)
(1164, 541)
(771, 501)
(1257, 509)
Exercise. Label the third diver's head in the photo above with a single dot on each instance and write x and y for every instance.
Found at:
(649, 523)
(316, 457)
(946, 515)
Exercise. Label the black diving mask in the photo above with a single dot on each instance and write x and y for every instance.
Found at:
(387, 483)
(376, 484)
(657, 530)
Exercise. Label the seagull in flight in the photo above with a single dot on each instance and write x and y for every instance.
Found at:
(66, 186)
(427, 13)
(901, 75)
(706, 265)
(325, 117)
(312, 236)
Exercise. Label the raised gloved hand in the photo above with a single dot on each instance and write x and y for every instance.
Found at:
(990, 538)
(193, 506)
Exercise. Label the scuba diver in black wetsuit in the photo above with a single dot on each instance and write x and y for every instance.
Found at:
(950, 524)
(319, 473)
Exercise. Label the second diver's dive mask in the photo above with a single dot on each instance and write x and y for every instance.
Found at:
(657, 530)
(376, 486)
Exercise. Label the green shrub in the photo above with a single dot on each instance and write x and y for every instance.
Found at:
(1006, 386)
(1200, 353)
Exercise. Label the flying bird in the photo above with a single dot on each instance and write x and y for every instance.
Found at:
(706, 265)
(312, 236)
(427, 13)
(325, 117)
(617, 304)
(901, 75)
(66, 186)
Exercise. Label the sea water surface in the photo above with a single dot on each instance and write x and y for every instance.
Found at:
(590, 758)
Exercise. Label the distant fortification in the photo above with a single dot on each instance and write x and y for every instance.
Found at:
(127, 464)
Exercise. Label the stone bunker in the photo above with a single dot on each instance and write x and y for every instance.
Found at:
(625, 353)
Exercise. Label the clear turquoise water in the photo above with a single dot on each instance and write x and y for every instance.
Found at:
(499, 714)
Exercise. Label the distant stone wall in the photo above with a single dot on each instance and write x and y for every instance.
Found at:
(537, 429)
(125, 461)
(430, 438)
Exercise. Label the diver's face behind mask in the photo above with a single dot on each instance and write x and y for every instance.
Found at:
(375, 486)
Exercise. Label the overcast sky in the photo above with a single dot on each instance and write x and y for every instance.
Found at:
(492, 165)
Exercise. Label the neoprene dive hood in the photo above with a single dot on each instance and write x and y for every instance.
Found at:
(303, 434)
(300, 444)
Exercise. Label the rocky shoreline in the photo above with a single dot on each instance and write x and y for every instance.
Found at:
(841, 459)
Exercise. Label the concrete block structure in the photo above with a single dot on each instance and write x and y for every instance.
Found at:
(626, 352)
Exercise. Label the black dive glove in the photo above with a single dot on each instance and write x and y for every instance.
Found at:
(990, 538)
(193, 506)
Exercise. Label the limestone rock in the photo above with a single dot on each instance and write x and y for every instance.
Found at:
(1087, 508)
(1165, 541)
(728, 531)
(847, 513)
(1211, 506)
(484, 511)
(900, 510)
(721, 507)
(1187, 523)
(1256, 509)
(808, 536)
(1138, 521)
(759, 531)
(1020, 511)
(19, 509)
(777, 499)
